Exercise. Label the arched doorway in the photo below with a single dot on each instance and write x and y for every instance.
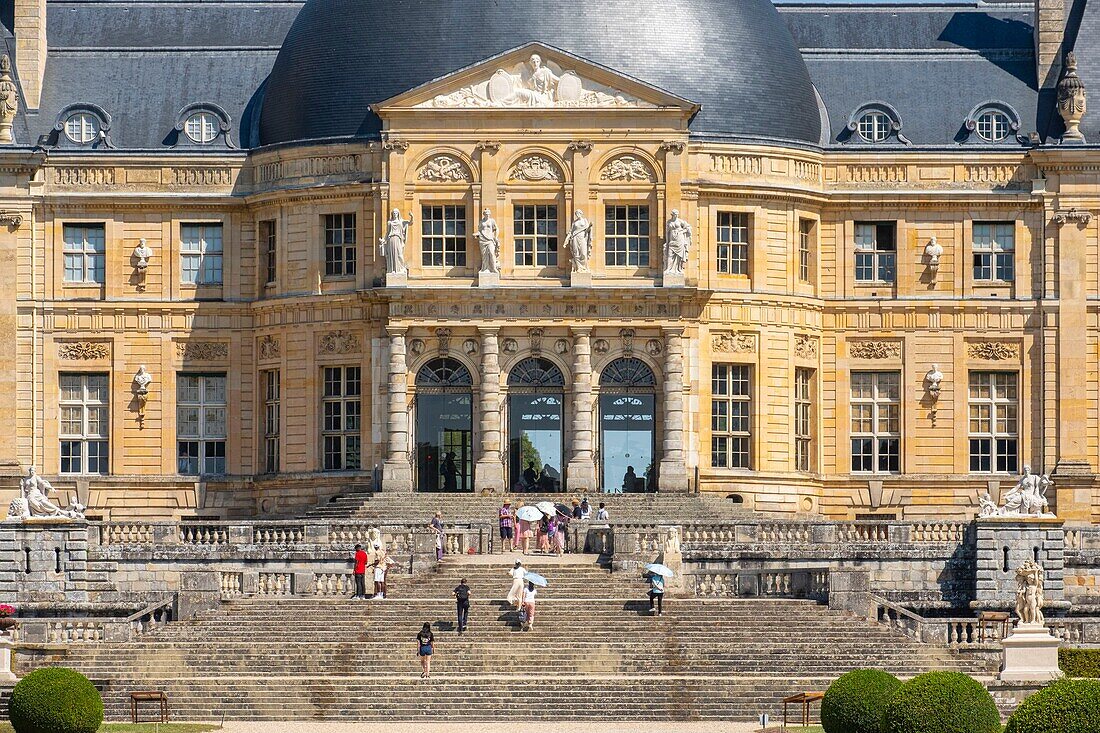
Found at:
(628, 426)
(444, 426)
(536, 395)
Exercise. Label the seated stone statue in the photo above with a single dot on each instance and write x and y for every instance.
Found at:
(35, 490)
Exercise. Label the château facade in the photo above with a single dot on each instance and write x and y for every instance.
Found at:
(888, 305)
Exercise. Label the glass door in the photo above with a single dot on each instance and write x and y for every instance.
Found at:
(444, 438)
(535, 442)
(627, 430)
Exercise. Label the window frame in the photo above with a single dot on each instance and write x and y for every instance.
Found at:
(643, 255)
(204, 116)
(535, 239)
(454, 247)
(271, 426)
(210, 450)
(90, 127)
(875, 438)
(209, 256)
(880, 258)
(882, 126)
(807, 229)
(1001, 446)
(996, 256)
(731, 255)
(84, 438)
(267, 234)
(91, 260)
(336, 442)
(731, 448)
(991, 112)
(341, 257)
(805, 394)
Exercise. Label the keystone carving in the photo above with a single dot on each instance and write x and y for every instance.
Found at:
(444, 336)
(535, 334)
(993, 351)
(875, 349)
(83, 351)
(202, 350)
(733, 343)
(627, 335)
(339, 342)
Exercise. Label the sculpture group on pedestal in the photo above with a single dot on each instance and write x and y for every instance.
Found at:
(1026, 499)
(1029, 593)
(34, 501)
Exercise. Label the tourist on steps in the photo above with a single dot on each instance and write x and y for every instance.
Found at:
(515, 594)
(559, 535)
(360, 573)
(462, 600)
(586, 509)
(549, 532)
(577, 510)
(436, 526)
(528, 616)
(425, 645)
(381, 561)
(525, 532)
(507, 520)
(602, 515)
(656, 592)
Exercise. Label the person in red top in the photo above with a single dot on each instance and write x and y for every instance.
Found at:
(360, 572)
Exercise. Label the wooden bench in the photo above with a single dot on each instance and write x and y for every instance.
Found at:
(805, 699)
(990, 620)
(149, 696)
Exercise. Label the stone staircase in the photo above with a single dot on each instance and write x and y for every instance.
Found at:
(594, 653)
(466, 508)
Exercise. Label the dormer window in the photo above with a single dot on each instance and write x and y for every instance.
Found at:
(993, 126)
(873, 123)
(874, 126)
(202, 123)
(994, 123)
(82, 128)
(202, 127)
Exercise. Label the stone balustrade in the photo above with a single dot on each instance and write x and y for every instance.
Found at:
(767, 583)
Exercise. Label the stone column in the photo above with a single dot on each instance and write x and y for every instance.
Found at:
(396, 470)
(489, 471)
(673, 476)
(580, 476)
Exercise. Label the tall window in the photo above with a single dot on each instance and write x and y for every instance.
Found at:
(876, 252)
(84, 250)
(803, 419)
(805, 248)
(201, 254)
(271, 392)
(267, 250)
(443, 243)
(201, 423)
(994, 251)
(626, 241)
(994, 424)
(84, 421)
(733, 243)
(731, 435)
(876, 422)
(339, 245)
(342, 412)
(536, 235)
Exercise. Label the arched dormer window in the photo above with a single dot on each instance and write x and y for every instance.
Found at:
(992, 123)
(202, 124)
(874, 123)
(83, 125)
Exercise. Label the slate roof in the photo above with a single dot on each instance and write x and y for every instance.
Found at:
(1083, 37)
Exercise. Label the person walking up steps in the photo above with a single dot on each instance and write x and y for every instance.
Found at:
(425, 645)
(462, 600)
(515, 594)
(436, 526)
(360, 573)
(656, 592)
(529, 607)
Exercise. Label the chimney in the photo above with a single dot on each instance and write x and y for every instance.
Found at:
(1050, 32)
(30, 48)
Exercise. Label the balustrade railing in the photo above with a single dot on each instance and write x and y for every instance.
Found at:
(126, 533)
(938, 532)
(333, 584)
(863, 532)
(232, 584)
(278, 534)
(797, 583)
(204, 534)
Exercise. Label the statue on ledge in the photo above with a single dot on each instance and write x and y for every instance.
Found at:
(677, 244)
(579, 242)
(34, 501)
(1029, 593)
(1028, 497)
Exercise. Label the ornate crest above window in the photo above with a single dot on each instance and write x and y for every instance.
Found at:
(991, 123)
(202, 123)
(628, 169)
(873, 123)
(536, 168)
(83, 125)
(444, 169)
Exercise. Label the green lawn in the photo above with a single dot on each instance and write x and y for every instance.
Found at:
(5, 727)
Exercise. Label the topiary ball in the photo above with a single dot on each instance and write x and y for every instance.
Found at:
(941, 702)
(1067, 706)
(55, 700)
(855, 701)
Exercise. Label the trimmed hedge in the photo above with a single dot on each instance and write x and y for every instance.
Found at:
(55, 700)
(942, 702)
(1066, 706)
(1080, 662)
(855, 701)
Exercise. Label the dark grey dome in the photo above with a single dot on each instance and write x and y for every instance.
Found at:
(736, 58)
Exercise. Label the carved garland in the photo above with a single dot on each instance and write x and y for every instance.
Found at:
(444, 169)
(993, 351)
(83, 351)
(875, 349)
(733, 343)
(202, 350)
(805, 347)
(339, 342)
(628, 169)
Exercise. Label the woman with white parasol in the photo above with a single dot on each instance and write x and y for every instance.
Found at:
(656, 574)
(526, 517)
(515, 594)
(529, 595)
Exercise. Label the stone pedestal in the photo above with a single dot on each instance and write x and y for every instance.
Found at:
(580, 280)
(1003, 545)
(673, 280)
(7, 649)
(397, 477)
(397, 279)
(488, 279)
(1030, 655)
(1073, 496)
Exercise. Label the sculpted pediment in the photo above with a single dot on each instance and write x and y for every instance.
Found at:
(536, 76)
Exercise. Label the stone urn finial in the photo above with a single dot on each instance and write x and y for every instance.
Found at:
(9, 101)
(1071, 101)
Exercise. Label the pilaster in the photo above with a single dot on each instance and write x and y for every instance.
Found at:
(581, 473)
(489, 471)
(396, 470)
(673, 476)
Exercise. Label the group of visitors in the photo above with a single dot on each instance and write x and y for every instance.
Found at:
(548, 533)
(380, 564)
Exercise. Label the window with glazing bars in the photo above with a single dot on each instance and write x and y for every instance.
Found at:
(271, 386)
(84, 252)
(803, 419)
(994, 422)
(876, 422)
(730, 421)
(876, 252)
(805, 249)
(626, 236)
(341, 417)
(201, 254)
(201, 423)
(732, 255)
(994, 251)
(267, 247)
(85, 420)
(535, 230)
(443, 241)
(340, 248)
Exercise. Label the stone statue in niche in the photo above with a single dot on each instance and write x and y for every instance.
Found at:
(1028, 497)
(1029, 594)
(677, 244)
(142, 380)
(392, 246)
(933, 251)
(34, 500)
(579, 242)
(488, 239)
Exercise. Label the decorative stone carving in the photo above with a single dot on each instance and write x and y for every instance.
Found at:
(654, 347)
(469, 347)
(677, 244)
(875, 349)
(601, 346)
(509, 346)
(202, 350)
(536, 169)
(34, 501)
(1028, 498)
(488, 147)
(580, 146)
(535, 83)
(579, 242)
(488, 239)
(627, 335)
(394, 144)
(444, 169)
(733, 343)
(673, 146)
(9, 101)
(416, 346)
(932, 382)
(143, 253)
(561, 346)
(1083, 218)
(986, 506)
(1029, 593)
(993, 350)
(11, 218)
(933, 251)
(805, 347)
(627, 169)
(340, 342)
(392, 246)
(140, 388)
(444, 336)
(535, 334)
(1071, 100)
(270, 348)
(83, 351)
